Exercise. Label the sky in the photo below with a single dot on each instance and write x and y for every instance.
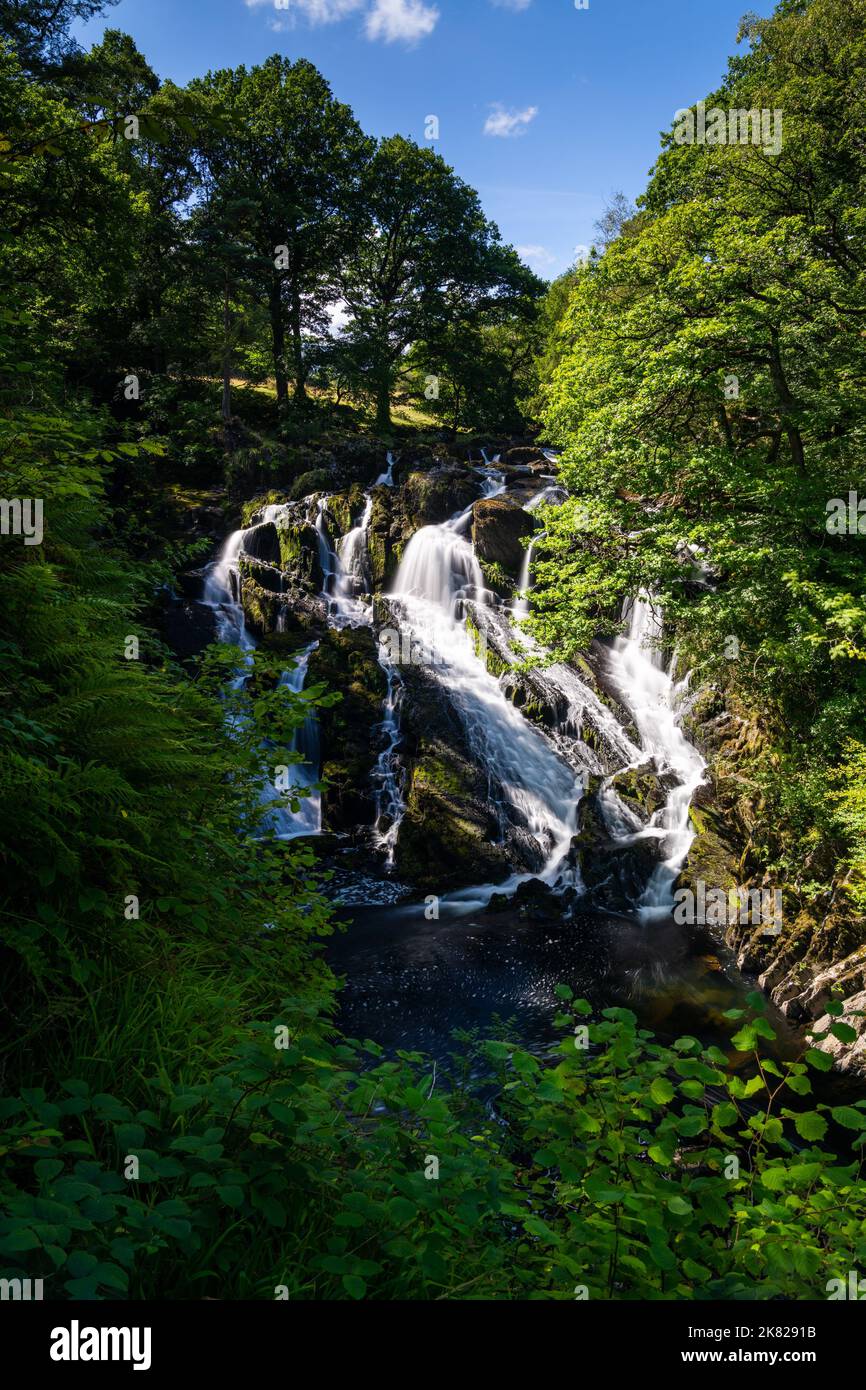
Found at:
(545, 108)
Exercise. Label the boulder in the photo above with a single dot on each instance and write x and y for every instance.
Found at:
(446, 838)
(345, 661)
(426, 499)
(499, 528)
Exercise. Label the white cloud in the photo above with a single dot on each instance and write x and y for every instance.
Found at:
(504, 123)
(313, 11)
(391, 20)
(536, 255)
(582, 252)
(516, 5)
(409, 20)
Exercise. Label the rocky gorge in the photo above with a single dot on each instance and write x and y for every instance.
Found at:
(460, 763)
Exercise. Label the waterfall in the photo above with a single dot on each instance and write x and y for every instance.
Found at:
(390, 805)
(386, 479)
(655, 703)
(438, 575)
(352, 576)
(346, 568)
(281, 820)
(222, 591)
(521, 607)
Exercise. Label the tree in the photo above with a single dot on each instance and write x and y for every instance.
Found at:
(294, 156)
(708, 392)
(426, 246)
(38, 30)
(480, 346)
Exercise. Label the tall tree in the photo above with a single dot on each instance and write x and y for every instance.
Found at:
(38, 30)
(294, 156)
(427, 245)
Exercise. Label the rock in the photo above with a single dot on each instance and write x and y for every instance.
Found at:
(527, 457)
(381, 541)
(430, 498)
(345, 662)
(614, 875)
(188, 627)
(536, 901)
(446, 839)
(848, 1057)
(261, 605)
(499, 527)
(644, 789)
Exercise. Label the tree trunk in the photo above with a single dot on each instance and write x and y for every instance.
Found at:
(227, 357)
(278, 335)
(298, 349)
(383, 402)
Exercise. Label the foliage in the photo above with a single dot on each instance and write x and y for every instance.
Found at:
(302, 1169)
(707, 390)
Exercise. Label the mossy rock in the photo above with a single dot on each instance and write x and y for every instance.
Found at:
(499, 528)
(317, 480)
(261, 606)
(426, 499)
(345, 661)
(446, 839)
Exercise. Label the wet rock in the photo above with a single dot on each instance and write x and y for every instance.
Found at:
(536, 902)
(614, 874)
(262, 605)
(427, 499)
(345, 662)
(499, 528)
(644, 789)
(528, 457)
(446, 839)
(188, 627)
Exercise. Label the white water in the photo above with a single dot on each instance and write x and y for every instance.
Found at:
(532, 785)
(222, 588)
(521, 607)
(655, 703)
(284, 823)
(386, 479)
(437, 577)
(388, 792)
(222, 592)
(347, 581)
(346, 568)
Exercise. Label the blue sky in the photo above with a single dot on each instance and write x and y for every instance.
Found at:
(546, 109)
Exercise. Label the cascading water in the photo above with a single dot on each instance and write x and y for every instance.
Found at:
(386, 479)
(222, 593)
(521, 607)
(281, 820)
(437, 578)
(655, 703)
(346, 570)
(388, 792)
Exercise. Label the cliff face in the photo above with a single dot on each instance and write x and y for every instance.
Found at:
(817, 952)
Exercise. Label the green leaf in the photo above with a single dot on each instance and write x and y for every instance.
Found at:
(661, 1091)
